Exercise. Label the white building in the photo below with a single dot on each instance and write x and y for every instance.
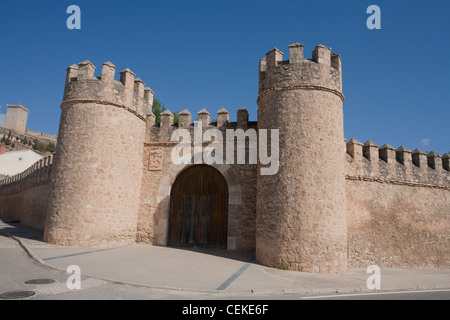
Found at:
(15, 162)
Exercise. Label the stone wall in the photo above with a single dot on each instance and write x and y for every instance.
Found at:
(26, 196)
(41, 136)
(98, 163)
(301, 210)
(16, 118)
(398, 205)
(29, 135)
(397, 225)
(328, 206)
(385, 188)
(29, 205)
(160, 173)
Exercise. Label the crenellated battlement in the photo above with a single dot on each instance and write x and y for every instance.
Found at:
(311, 210)
(113, 113)
(322, 72)
(369, 161)
(364, 160)
(38, 173)
(130, 92)
(162, 132)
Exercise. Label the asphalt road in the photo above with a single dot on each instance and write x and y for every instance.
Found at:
(17, 268)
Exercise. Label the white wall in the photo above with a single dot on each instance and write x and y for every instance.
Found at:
(15, 162)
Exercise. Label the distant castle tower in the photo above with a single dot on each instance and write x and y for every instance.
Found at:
(98, 164)
(301, 211)
(16, 118)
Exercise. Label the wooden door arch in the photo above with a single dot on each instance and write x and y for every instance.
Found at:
(198, 214)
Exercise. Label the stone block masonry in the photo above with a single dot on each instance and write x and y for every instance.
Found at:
(160, 173)
(26, 196)
(397, 225)
(398, 202)
(16, 118)
(95, 199)
(331, 205)
(301, 211)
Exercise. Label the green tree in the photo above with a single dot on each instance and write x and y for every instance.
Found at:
(7, 142)
(157, 109)
(51, 147)
(176, 117)
(39, 146)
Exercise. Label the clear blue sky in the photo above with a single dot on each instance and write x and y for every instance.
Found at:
(204, 54)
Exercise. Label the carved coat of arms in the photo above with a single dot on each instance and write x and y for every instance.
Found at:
(155, 161)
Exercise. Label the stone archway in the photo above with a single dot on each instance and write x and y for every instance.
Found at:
(161, 215)
(198, 209)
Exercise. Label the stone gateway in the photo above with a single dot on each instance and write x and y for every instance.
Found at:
(329, 205)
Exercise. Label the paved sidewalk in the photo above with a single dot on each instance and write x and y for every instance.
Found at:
(208, 270)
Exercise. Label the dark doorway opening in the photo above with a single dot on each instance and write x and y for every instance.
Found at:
(198, 213)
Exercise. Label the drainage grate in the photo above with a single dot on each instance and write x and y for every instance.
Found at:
(17, 294)
(39, 281)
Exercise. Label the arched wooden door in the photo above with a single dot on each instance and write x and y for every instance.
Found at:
(199, 208)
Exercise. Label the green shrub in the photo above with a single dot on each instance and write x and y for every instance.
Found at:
(284, 265)
(51, 147)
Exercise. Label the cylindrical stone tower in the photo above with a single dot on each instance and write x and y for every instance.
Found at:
(98, 161)
(301, 210)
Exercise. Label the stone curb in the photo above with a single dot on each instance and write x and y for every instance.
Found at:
(247, 292)
(28, 251)
(37, 259)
